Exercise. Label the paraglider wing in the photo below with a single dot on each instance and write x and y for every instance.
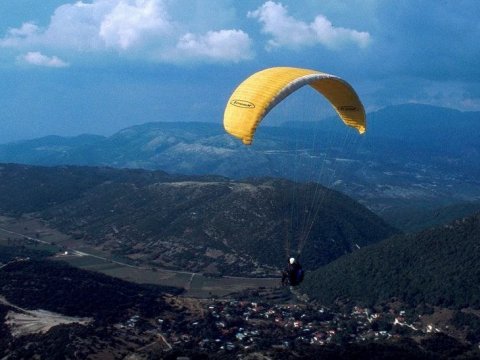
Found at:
(258, 94)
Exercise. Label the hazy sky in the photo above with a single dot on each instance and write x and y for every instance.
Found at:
(97, 66)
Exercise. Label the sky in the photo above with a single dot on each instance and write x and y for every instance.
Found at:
(98, 66)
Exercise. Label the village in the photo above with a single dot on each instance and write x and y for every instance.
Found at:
(233, 326)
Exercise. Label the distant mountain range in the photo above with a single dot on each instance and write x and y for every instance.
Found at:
(413, 157)
(193, 223)
(438, 267)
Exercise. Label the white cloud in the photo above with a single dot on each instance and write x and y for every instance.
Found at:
(223, 45)
(17, 36)
(106, 24)
(332, 36)
(37, 58)
(72, 26)
(135, 28)
(26, 30)
(129, 24)
(287, 31)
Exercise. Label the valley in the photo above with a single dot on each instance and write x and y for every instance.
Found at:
(111, 257)
(37, 235)
(69, 277)
(261, 322)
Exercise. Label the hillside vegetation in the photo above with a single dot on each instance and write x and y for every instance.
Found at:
(437, 267)
(55, 286)
(203, 224)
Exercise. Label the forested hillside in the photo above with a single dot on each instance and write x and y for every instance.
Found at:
(437, 267)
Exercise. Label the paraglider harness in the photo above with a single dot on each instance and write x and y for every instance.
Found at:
(293, 274)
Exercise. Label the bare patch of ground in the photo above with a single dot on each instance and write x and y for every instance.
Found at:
(24, 322)
(38, 321)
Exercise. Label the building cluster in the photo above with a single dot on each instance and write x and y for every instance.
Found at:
(251, 326)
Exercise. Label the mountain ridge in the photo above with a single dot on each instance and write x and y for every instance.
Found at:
(412, 156)
(192, 223)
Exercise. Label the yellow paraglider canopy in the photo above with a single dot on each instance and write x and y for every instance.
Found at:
(258, 94)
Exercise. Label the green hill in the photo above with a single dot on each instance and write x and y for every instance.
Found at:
(437, 267)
